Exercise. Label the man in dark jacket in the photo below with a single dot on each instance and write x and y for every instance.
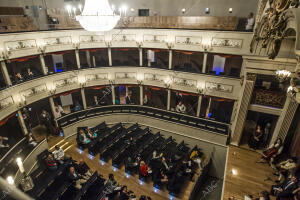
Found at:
(286, 189)
(76, 178)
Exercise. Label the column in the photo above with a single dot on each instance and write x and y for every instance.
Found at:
(242, 109)
(113, 95)
(109, 56)
(285, 119)
(169, 100)
(170, 58)
(208, 107)
(94, 61)
(141, 95)
(52, 106)
(77, 58)
(204, 63)
(88, 58)
(83, 98)
(141, 56)
(5, 73)
(22, 123)
(43, 65)
(199, 105)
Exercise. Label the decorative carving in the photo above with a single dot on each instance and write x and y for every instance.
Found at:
(184, 82)
(34, 90)
(271, 29)
(123, 37)
(155, 38)
(131, 75)
(269, 98)
(210, 86)
(102, 76)
(90, 77)
(58, 41)
(188, 40)
(64, 82)
(226, 42)
(251, 77)
(20, 45)
(91, 38)
(4, 103)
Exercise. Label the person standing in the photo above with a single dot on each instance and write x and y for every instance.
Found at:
(250, 22)
(46, 120)
(255, 139)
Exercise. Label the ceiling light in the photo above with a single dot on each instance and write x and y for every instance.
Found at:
(97, 16)
(234, 172)
(282, 75)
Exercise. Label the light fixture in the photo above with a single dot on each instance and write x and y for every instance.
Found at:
(207, 10)
(282, 75)
(234, 172)
(230, 10)
(20, 165)
(10, 180)
(51, 88)
(132, 9)
(168, 81)
(81, 80)
(183, 10)
(139, 78)
(97, 16)
(200, 88)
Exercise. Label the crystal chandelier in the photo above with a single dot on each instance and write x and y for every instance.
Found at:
(97, 16)
(282, 75)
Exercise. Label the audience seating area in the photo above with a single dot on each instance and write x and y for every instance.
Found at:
(136, 144)
(201, 123)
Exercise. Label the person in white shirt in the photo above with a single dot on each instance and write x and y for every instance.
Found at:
(180, 107)
(250, 22)
(59, 154)
(2, 145)
(58, 111)
(31, 140)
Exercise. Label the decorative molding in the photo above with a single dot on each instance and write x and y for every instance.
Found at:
(210, 86)
(20, 45)
(186, 40)
(155, 77)
(52, 41)
(102, 76)
(121, 75)
(155, 38)
(90, 77)
(251, 77)
(227, 42)
(6, 102)
(184, 82)
(34, 90)
(91, 39)
(123, 37)
(64, 82)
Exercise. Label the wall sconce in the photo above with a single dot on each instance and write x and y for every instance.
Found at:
(168, 82)
(200, 88)
(20, 165)
(291, 91)
(8, 51)
(170, 45)
(206, 44)
(82, 81)
(108, 43)
(42, 49)
(51, 88)
(20, 100)
(139, 44)
(139, 78)
(10, 180)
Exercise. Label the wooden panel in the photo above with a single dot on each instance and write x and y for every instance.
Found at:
(11, 11)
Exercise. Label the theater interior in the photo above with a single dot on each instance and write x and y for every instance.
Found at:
(148, 99)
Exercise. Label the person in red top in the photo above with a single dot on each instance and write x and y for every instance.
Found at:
(51, 163)
(143, 168)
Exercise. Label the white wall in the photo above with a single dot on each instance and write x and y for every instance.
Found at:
(241, 8)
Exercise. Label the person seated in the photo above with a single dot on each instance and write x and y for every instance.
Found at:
(29, 74)
(187, 168)
(76, 178)
(83, 169)
(196, 158)
(31, 140)
(3, 140)
(77, 107)
(272, 152)
(160, 178)
(59, 111)
(83, 139)
(91, 135)
(111, 186)
(285, 190)
(165, 166)
(19, 78)
(180, 107)
(255, 138)
(128, 98)
(143, 169)
(285, 168)
(124, 194)
(96, 101)
(130, 165)
(59, 154)
(51, 163)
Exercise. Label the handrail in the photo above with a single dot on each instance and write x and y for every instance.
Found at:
(11, 149)
(202, 123)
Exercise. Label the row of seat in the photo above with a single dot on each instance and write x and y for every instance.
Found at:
(116, 143)
(201, 123)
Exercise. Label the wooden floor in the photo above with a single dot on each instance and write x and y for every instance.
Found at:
(132, 182)
(251, 178)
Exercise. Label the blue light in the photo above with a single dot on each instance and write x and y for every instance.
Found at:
(155, 189)
(102, 162)
(80, 150)
(141, 182)
(171, 197)
(91, 156)
(115, 169)
(127, 175)
(17, 115)
(209, 115)
(61, 133)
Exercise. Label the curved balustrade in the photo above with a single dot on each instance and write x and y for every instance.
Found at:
(183, 119)
(37, 89)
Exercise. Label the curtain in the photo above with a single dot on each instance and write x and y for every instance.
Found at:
(22, 59)
(2, 122)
